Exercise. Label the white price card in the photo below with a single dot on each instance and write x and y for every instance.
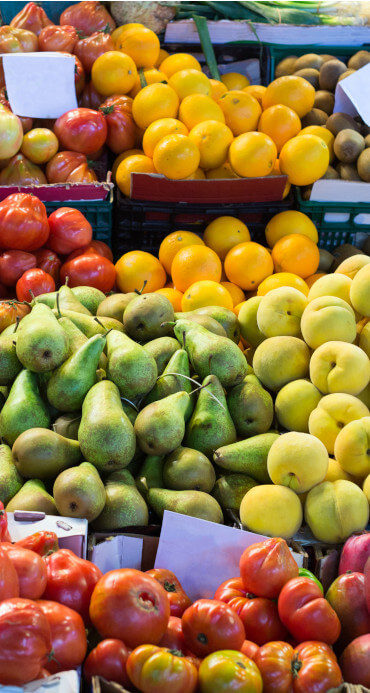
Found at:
(352, 94)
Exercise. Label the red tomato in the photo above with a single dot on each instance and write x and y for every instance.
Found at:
(274, 662)
(265, 567)
(68, 636)
(80, 79)
(88, 17)
(347, 597)
(23, 222)
(230, 589)
(71, 581)
(24, 641)
(306, 614)
(122, 131)
(32, 18)
(209, 625)
(48, 261)
(174, 637)
(89, 270)
(249, 649)
(129, 605)
(153, 669)
(82, 174)
(9, 583)
(33, 283)
(260, 618)
(90, 48)
(178, 599)
(69, 230)
(95, 248)
(43, 543)
(62, 164)
(81, 130)
(10, 312)
(21, 171)
(355, 661)
(4, 532)
(108, 659)
(58, 38)
(12, 265)
(90, 98)
(31, 570)
(122, 100)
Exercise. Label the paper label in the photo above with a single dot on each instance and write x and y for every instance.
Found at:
(352, 94)
(340, 191)
(118, 552)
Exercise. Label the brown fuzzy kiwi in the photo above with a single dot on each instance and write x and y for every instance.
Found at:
(310, 74)
(363, 165)
(326, 260)
(286, 66)
(330, 73)
(348, 146)
(342, 252)
(330, 173)
(324, 101)
(358, 60)
(314, 117)
(366, 246)
(326, 57)
(347, 171)
(309, 60)
(346, 74)
(367, 141)
(341, 121)
(306, 192)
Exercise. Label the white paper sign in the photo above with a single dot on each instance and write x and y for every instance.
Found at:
(340, 191)
(118, 552)
(352, 94)
(64, 682)
(40, 85)
(202, 554)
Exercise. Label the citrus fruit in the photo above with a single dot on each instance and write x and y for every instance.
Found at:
(217, 89)
(238, 307)
(213, 140)
(241, 111)
(197, 175)
(256, 90)
(275, 281)
(189, 81)
(313, 278)
(224, 233)
(280, 123)
(221, 172)
(121, 30)
(179, 61)
(194, 263)
(236, 293)
(304, 159)
(173, 243)
(121, 157)
(206, 293)
(113, 73)
(252, 154)
(234, 81)
(151, 76)
(290, 221)
(248, 264)
(198, 107)
(162, 55)
(137, 267)
(159, 129)
(291, 91)
(297, 254)
(153, 102)
(276, 172)
(137, 163)
(325, 135)
(176, 157)
(141, 44)
(173, 295)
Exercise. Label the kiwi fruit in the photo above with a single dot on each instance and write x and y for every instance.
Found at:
(363, 165)
(342, 252)
(348, 146)
(314, 117)
(330, 173)
(345, 74)
(324, 101)
(326, 260)
(347, 171)
(310, 74)
(330, 73)
(367, 141)
(309, 60)
(286, 66)
(306, 192)
(341, 121)
(366, 246)
(358, 60)
(326, 57)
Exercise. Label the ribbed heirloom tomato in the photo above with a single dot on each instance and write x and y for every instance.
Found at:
(33, 283)
(178, 599)
(209, 625)
(88, 17)
(259, 617)
(12, 265)
(30, 568)
(81, 130)
(227, 670)
(266, 566)
(69, 230)
(90, 48)
(9, 583)
(68, 636)
(32, 18)
(108, 659)
(230, 589)
(155, 669)
(89, 270)
(62, 164)
(71, 581)
(58, 38)
(23, 222)
(49, 261)
(305, 612)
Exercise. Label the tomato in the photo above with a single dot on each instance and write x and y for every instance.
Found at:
(71, 581)
(39, 145)
(122, 131)
(4, 532)
(249, 649)
(62, 164)
(26, 122)
(355, 661)
(306, 614)
(43, 674)
(33, 283)
(227, 671)
(15, 40)
(43, 543)
(23, 222)
(95, 248)
(89, 270)
(303, 572)
(260, 618)
(347, 597)
(265, 567)
(11, 133)
(58, 38)
(10, 312)
(90, 98)
(90, 48)
(88, 17)
(68, 636)
(9, 583)
(173, 637)
(81, 130)
(48, 261)
(209, 625)
(230, 589)
(12, 265)
(155, 669)
(69, 230)
(31, 570)
(108, 659)
(24, 641)
(82, 174)
(128, 605)
(367, 583)
(179, 600)
(32, 18)
(21, 171)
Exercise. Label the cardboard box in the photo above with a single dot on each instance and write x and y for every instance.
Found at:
(71, 533)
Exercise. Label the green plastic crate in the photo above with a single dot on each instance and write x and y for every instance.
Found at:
(278, 52)
(98, 212)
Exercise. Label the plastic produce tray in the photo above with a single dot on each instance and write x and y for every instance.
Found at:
(279, 52)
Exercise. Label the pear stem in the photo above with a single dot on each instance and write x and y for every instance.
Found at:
(58, 305)
(124, 399)
(103, 326)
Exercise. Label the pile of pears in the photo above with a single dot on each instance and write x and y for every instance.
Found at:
(115, 408)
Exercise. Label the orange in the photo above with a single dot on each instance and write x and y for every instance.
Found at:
(159, 129)
(153, 102)
(290, 221)
(179, 61)
(213, 140)
(206, 293)
(241, 111)
(141, 44)
(121, 157)
(198, 107)
(256, 90)
(276, 172)
(280, 123)
(173, 243)
(221, 173)
(296, 254)
(248, 264)
(224, 233)
(234, 81)
(325, 135)
(137, 163)
(237, 295)
(275, 281)
(291, 91)
(194, 263)
(187, 82)
(313, 278)
(174, 296)
(252, 154)
(151, 76)
(137, 267)
(162, 55)
(217, 89)
(237, 308)
(176, 157)
(304, 159)
(121, 30)
(197, 175)
(113, 72)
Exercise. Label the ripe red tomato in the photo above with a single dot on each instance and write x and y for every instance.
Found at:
(69, 230)
(178, 599)
(89, 270)
(306, 614)
(90, 48)
(108, 659)
(82, 174)
(95, 248)
(32, 18)
(58, 38)
(129, 605)
(81, 130)
(48, 261)
(355, 661)
(90, 98)
(71, 581)
(9, 583)
(12, 265)
(174, 637)
(34, 282)
(62, 164)
(80, 79)
(31, 570)
(347, 597)
(209, 625)
(265, 567)
(122, 131)
(23, 222)
(68, 636)
(249, 649)
(230, 589)
(260, 618)
(88, 17)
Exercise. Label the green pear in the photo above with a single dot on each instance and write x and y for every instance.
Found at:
(89, 296)
(251, 407)
(248, 322)
(48, 299)
(88, 324)
(10, 330)
(130, 367)
(67, 425)
(167, 383)
(248, 456)
(211, 424)
(67, 300)
(106, 435)
(186, 469)
(3, 395)
(124, 506)
(151, 474)
(162, 349)
(42, 344)
(76, 338)
(23, 408)
(42, 454)
(129, 409)
(230, 490)
(34, 497)
(160, 427)
(115, 305)
(10, 365)
(79, 492)
(70, 383)
(122, 475)
(10, 479)
(225, 317)
(211, 354)
(193, 503)
(147, 316)
(204, 320)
